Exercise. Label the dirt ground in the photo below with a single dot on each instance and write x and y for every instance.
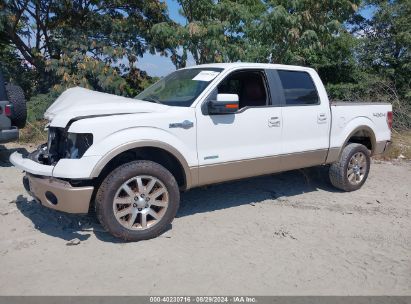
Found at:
(283, 234)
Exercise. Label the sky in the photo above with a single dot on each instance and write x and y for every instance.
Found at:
(156, 65)
(173, 8)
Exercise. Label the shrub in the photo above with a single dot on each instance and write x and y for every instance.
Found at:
(38, 104)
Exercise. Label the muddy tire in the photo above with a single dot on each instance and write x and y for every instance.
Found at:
(351, 171)
(15, 96)
(137, 201)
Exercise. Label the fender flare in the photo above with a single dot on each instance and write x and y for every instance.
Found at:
(335, 154)
(362, 128)
(143, 144)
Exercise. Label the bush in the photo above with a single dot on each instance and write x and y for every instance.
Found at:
(372, 89)
(38, 104)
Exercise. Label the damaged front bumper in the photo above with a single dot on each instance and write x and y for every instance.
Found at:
(52, 192)
(29, 165)
(65, 168)
(58, 194)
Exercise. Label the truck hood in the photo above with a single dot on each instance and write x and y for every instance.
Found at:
(76, 103)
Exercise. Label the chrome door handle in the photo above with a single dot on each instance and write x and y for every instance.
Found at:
(186, 124)
(274, 122)
(322, 118)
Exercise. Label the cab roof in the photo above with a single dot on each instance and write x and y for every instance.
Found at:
(251, 65)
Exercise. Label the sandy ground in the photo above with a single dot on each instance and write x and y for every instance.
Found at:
(284, 234)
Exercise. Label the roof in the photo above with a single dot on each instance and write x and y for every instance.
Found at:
(251, 65)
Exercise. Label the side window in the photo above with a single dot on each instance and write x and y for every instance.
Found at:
(248, 85)
(299, 88)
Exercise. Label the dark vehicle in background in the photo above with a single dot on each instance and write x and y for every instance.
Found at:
(13, 111)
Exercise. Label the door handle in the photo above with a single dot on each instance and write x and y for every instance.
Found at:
(322, 118)
(274, 122)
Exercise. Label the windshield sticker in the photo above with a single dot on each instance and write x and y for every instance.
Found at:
(206, 76)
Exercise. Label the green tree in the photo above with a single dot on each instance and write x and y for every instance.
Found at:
(15, 70)
(384, 57)
(80, 42)
(276, 31)
(213, 32)
(299, 31)
(386, 43)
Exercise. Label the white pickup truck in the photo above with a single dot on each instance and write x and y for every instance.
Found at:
(129, 158)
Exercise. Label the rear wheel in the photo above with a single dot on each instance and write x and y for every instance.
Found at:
(137, 201)
(351, 171)
(15, 96)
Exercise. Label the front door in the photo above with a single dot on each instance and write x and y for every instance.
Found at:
(233, 146)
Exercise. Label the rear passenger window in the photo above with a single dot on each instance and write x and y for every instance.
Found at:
(299, 89)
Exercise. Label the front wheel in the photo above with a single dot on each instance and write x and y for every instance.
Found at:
(351, 171)
(137, 201)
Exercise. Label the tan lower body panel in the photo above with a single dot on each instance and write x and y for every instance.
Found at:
(379, 148)
(60, 195)
(211, 174)
(333, 155)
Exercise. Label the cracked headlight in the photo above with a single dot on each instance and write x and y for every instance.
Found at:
(77, 144)
(51, 137)
(62, 144)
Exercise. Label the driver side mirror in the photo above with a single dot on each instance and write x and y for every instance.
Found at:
(225, 104)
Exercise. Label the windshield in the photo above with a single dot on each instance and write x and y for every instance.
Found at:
(180, 88)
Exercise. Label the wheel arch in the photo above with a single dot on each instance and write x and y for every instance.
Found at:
(157, 151)
(362, 134)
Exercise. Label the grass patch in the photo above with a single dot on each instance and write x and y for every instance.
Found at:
(33, 133)
(401, 146)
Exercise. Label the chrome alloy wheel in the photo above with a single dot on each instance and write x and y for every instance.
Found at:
(357, 167)
(140, 202)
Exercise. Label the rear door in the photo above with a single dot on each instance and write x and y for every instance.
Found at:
(306, 120)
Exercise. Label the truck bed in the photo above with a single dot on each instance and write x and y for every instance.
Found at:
(370, 116)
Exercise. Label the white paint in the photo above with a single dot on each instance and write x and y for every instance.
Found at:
(307, 128)
(251, 133)
(79, 102)
(28, 165)
(228, 97)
